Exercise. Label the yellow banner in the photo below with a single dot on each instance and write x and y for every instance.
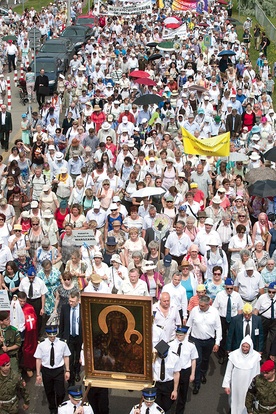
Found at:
(217, 146)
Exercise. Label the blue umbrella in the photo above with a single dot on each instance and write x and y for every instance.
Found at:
(226, 53)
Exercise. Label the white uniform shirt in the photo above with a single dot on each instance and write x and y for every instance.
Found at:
(154, 409)
(43, 352)
(69, 408)
(172, 365)
(39, 287)
(188, 351)
(205, 325)
(221, 301)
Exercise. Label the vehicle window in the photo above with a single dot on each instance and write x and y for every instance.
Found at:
(51, 48)
(49, 67)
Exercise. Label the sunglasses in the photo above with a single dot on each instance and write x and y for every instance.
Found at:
(67, 279)
(217, 273)
(241, 215)
(229, 288)
(271, 291)
(18, 230)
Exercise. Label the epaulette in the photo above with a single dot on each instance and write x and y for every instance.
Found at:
(63, 404)
(136, 406)
(13, 328)
(191, 341)
(85, 404)
(160, 409)
(63, 340)
(41, 340)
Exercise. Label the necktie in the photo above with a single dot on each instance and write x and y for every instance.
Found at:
(75, 407)
(162, 370)
(147, 411)
(52, 356)
(247, 329)
(74, 322)
(228, 312)
(179, 349)
(31, 291)
(272, 309)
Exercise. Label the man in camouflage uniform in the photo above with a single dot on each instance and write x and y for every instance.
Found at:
(261, 395)
(10, 339)
(11, 386)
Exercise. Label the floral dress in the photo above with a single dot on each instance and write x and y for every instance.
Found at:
(52, 282)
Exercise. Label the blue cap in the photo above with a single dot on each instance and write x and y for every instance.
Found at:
(32, 271)
(51, 330)
(149, 394)
(23, 116)
(272, 285)
(167, 260)
(182, 329)
(256, 129)
(229, 282)
(75, 392)
(182, 208)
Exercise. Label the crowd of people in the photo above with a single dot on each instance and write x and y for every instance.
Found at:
(91, 159)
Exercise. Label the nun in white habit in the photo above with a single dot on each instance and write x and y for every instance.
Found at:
(243, 365)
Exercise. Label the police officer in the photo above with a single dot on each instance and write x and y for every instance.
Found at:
(10, 339)
(261, 394)
(166, 372)
(52, 367)
(188, 355)
(148, 405)
(75, 404)
(11, 387)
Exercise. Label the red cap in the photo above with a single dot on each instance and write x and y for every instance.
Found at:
(4, 359)
(267, 366)
(10, 41)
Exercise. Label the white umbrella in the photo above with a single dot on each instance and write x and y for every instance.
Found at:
(148, 191)
(238, 156)
(171, 19)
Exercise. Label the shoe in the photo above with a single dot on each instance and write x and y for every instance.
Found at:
(77, 377)
(30, 373)
(196, 389)
(203, 379)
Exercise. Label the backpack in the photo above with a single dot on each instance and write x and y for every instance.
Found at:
(44, 177)
(209, 253)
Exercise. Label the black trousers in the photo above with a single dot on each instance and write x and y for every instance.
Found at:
(184, 381)
(204, 348)
(163, 396)
(53, 381)
(11, 62)
(269, 332)
(225, 327)
(40, 99)
(4, 139)
(74, 345)
(98, 399)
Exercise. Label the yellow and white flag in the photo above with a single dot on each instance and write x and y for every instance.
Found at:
(215, 146)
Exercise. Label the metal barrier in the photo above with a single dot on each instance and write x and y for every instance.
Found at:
(264, 21)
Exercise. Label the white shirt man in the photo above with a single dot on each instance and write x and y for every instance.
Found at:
(178, 295)
(133, 286)
(166, 316)
(249, 283)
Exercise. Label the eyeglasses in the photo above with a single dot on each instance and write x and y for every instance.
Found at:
(217, 273)
(17, 230)
(241, 232)
(229, 288)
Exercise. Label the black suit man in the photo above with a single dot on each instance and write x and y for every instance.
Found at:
(233, 123)
(41, 87)
(70, 329)
(5, 127)
(242, 325)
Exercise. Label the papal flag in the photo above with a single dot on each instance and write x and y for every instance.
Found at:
(215, 146)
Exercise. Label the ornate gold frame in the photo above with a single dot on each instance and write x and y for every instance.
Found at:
(137, 312)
